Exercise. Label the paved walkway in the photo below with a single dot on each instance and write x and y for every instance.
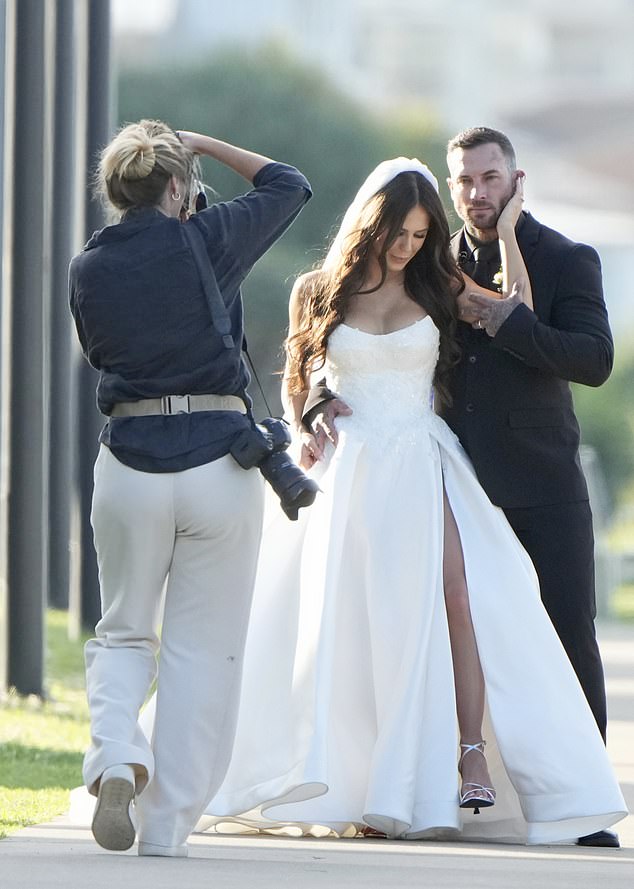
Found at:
(61, 855)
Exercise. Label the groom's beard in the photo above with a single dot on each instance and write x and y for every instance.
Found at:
(485, 222)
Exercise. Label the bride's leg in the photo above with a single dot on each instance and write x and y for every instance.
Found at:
(468, 678)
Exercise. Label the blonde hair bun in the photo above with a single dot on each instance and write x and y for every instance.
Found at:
(130, 155)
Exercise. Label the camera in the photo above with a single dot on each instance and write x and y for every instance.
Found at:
(264, 446)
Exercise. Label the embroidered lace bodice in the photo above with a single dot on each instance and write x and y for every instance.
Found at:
(387, 381)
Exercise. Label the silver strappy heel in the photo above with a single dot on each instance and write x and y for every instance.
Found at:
(477, 796)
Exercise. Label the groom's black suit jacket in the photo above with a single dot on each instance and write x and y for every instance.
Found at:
(512, 405)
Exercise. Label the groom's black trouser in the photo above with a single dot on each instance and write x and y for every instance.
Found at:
(560, 541)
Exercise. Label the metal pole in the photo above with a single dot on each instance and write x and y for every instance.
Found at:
(33, 36)
(98, 121)
(6, 113)
(80, 61)
(60, 461)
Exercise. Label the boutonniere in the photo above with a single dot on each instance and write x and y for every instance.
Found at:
(498, 279)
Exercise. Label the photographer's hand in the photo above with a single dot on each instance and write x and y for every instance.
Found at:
(245, 163)
(190, 140)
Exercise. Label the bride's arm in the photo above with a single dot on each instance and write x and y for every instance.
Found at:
(476, 305)
(513, 266)
(294, 403)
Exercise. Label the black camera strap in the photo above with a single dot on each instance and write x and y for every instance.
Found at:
(219, 315)
(264, 448)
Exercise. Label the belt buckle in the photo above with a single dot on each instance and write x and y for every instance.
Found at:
(175, 404)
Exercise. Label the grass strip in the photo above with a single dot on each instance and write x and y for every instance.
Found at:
(42, 742)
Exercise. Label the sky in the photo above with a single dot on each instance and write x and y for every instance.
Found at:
(141, 15)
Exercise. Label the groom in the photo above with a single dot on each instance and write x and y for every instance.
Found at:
(512, 406)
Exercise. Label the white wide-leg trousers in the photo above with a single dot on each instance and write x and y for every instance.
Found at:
(199, 530)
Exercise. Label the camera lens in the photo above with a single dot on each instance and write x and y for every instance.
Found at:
(289, 482)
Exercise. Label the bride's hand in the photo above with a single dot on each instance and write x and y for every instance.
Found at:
(511, 212)
(310, 450)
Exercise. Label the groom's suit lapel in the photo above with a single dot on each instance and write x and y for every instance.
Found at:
(456, 240)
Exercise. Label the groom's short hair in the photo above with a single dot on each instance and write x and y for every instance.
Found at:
(474, 136)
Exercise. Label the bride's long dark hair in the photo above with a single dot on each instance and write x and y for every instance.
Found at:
(432, 279)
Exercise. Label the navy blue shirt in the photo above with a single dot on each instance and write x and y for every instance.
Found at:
(143, 320)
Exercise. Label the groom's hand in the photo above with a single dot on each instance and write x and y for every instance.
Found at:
(323, 422)
(490, 314)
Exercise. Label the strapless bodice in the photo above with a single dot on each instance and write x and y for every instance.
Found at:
(385, 378)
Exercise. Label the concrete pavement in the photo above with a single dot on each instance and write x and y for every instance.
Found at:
(62, 855)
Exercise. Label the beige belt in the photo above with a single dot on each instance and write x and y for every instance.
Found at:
(178, 404)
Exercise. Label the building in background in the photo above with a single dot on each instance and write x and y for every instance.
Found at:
(558, 77)
(463, 59)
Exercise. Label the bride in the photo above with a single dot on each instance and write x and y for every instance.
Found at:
(397, 626)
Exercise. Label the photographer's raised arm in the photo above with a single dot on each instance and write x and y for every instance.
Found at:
(240, 230)
(243, 162)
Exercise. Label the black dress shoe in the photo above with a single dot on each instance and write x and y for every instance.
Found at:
(605, 838)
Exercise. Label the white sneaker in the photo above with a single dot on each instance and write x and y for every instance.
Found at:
(112, 824)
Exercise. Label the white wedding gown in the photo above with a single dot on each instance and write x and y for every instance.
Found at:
(348, 713)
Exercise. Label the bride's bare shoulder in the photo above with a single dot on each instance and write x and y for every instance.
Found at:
(305, 285)
(308, 279)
